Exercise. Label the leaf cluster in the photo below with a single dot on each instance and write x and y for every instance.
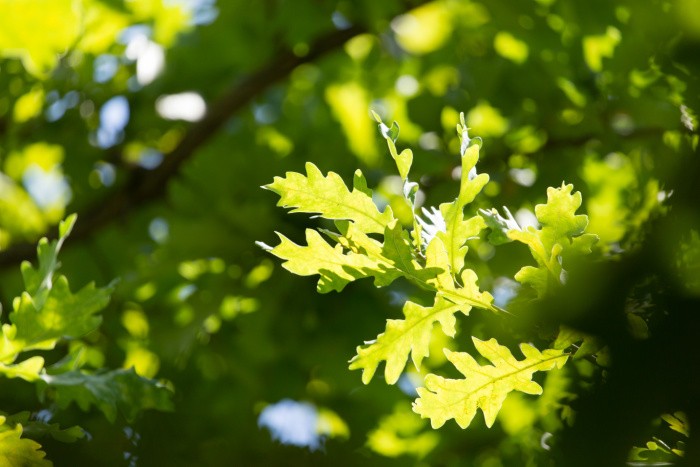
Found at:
(49, 314)
(432, 255)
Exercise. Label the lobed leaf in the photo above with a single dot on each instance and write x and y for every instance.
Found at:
(28, 370)
(678, 422)
(499, 225)
(38, 281)
(589, 345)
(562, 235)
(403, 337)
(63, 314)
(466, 295)
(48, 311)
(411, 335)
(485, 387)
(398, 252)
(336, 267)
(111, 392)
(458, 229)
(330, 198)
(38, 428)
(18, 451)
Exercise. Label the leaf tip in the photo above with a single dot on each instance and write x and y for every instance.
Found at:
(66, 226)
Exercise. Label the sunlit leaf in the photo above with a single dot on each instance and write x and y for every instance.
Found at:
(562, 235)
(63, 314)
(459, 229)
(412, 334)
(28, 370)
(329, 197)
(485, 387)
(18, 451)
(39, 52)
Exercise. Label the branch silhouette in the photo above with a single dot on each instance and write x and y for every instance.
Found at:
(142, 186)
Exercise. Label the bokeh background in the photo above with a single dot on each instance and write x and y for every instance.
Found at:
(158, 121)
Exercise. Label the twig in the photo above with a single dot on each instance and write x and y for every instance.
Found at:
(143, 186)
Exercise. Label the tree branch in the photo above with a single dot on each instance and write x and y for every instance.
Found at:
(143, 186)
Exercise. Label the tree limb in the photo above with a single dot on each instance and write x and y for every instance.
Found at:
(144, 185)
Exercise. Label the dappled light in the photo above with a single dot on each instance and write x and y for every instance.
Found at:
(188, 106)
(377, 233)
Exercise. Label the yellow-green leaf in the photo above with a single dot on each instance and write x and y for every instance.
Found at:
(329, 197)
(28, 370)
(485, 387)
(562, 235)
(404, 336)
(411, 335)
(16, 451)
(335, 266)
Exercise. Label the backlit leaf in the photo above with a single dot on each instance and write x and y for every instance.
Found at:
(411, 335)
(561, 235)
(335, 266)
(329, 197)
(63, 314)
(458, 229)
(485, 387)
(18, 451)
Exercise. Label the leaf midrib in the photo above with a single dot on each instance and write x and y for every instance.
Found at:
(313, 194)
(496, 379)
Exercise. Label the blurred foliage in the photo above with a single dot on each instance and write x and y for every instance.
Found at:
(157, 121)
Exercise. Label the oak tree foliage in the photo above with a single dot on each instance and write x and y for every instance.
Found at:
(521, 291)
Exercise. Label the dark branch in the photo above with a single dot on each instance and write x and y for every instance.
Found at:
(143, 186)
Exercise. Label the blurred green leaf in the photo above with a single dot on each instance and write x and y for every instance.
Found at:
(114, 391)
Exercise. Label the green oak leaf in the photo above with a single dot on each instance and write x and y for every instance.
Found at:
(398, 250)
(28, 370)
(394, 258)
(330, 198)
(465, 295)
(561, 236)
(112, 391)
(336, 267)
(16, 451)
(485, 386)
(404, 336)
(458, 229)
(48, 311)
(38, 429)
(63, 314)
(411, 335)
(37, 281)
(499, 225)
(355, 256)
